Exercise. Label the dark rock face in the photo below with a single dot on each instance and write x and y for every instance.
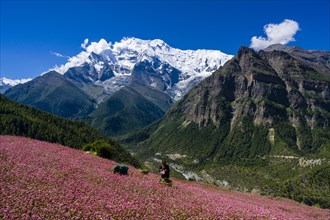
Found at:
(78, 74)
(274, 77)
(86, 74)
(318, 59)
(155, 74)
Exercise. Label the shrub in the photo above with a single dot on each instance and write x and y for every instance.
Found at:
(144, 171)
(100, 148)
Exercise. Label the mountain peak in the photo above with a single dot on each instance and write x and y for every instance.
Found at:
(318, 59)
(128, 51)
(132, 41)
(281, 47)
(244, 49)
(245, 52)
(13, 82)
(158, 43)
(119, 59)
(98, 47)
(141, 46)
(6, 83)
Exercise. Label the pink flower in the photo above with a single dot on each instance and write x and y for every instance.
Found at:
(39, 180)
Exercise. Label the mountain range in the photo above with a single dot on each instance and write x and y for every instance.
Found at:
(98, 81)
(259, 123)
(253, 93)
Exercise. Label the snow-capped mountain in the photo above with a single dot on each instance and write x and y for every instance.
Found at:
(152, 62)
(8, 83)
(13, 82)
(119, 87)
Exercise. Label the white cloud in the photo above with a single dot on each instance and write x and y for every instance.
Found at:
(84, 44)
(82, 57)
(98, 47)
(58, 55)
(282, 33)
(78, 60)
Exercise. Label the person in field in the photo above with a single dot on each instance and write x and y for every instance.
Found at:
(164, 170)
(121, 169)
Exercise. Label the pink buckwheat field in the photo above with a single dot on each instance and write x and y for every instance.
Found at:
(40, 180)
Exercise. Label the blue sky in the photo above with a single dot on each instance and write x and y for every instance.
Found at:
(32, 31)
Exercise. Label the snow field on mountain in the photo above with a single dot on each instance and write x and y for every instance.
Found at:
(13, 82)
(129, 51)
(40, 180)
(123, 56)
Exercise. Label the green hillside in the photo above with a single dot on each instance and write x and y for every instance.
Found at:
(53, 93)
(122, 112)
(20, 120)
